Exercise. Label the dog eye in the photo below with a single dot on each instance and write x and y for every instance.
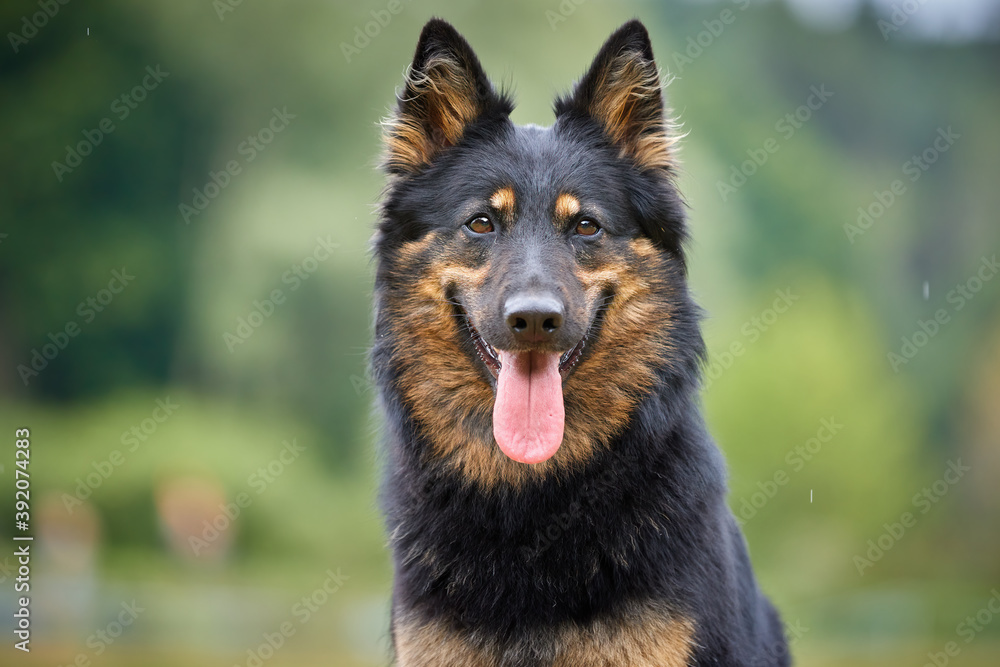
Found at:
(587, 227)
(480, 225)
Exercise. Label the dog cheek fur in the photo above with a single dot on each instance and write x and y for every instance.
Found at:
(435, 376)
(635, 340)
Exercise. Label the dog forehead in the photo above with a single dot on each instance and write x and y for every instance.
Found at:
(540, 166)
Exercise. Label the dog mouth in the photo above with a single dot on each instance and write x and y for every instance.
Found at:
(490, 357)
(529, 412)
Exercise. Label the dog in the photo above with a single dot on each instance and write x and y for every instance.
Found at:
(552, 497)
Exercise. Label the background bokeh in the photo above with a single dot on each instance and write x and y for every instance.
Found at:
(194, 379)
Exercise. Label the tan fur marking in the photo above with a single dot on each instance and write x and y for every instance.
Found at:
(567, 206)
(410, 252)
(640, 637)
(453, 401)
(622, 107)
(504, 201)
(448, 103)
(636, 640)
(434, 645)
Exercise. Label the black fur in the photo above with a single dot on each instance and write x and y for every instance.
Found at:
(646, 518)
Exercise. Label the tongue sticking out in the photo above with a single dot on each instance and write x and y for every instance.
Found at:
(528, 413)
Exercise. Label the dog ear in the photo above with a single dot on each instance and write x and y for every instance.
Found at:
(621, 91)
(445, 90)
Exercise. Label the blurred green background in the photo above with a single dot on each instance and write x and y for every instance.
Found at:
(184, 311)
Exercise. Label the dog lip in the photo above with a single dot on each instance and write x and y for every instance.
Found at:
(486, 351)
(571, 357)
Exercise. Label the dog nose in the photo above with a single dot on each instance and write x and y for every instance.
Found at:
(533, 317)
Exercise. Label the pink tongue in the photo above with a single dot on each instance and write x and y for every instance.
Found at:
(528, 413)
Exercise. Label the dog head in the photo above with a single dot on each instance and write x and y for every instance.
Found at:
(530, 285)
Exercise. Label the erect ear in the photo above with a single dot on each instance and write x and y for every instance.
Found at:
(444, 92)
(621, 91)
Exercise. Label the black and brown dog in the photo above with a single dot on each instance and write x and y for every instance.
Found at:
(551, 493)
